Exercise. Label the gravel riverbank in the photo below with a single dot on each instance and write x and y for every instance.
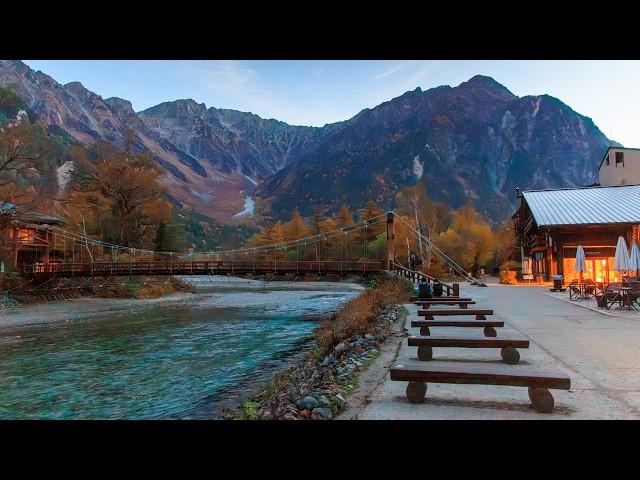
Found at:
(319, 387)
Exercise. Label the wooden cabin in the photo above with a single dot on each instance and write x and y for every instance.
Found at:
(25, 238)
(550, 224)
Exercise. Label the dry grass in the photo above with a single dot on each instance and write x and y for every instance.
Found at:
(145, 287)
(357, 316)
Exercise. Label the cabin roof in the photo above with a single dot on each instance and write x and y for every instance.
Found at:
(40, 218)
(7, 208)
(585, 205)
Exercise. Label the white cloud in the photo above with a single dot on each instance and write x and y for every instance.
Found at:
(392, 70)
(240, 84)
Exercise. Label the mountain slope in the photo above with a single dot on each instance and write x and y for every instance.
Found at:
(230, 140)
(88, 118)
(476, 141)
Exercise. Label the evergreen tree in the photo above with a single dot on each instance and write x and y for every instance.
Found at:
(170, 238)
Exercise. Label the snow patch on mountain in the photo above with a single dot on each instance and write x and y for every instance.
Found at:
(418, 168)
(63, 174)
(250, 179)
(248, 208)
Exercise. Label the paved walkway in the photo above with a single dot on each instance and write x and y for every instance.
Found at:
(599, 352)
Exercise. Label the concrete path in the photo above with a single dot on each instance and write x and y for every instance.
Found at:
(599, 352)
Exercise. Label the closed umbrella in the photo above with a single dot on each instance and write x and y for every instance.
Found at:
(581, 261)
(634, 261)
(621, 261)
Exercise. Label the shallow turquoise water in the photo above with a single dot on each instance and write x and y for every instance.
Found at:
(164, 362)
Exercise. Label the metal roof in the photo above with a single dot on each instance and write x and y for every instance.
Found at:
(585, 206)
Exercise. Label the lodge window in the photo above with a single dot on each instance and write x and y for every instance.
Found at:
(607, 159)
(26, 235)
(619, 158)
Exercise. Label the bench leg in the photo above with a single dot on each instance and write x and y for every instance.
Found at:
(425, 352)
(426, 307)
(510, 355)
(490, 332)
(480, 317)
(416, 392)
(428, 317)
(541, 399)
(424, 331)
(463, 306)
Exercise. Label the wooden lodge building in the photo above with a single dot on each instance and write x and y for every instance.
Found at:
(25, 238)
(550, 224)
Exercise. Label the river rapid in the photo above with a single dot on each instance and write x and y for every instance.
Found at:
(178, 357)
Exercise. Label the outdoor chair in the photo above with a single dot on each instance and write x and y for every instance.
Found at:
(634, 293)
(590, 288)
(606, 299)
(609, 296)
(574, 291)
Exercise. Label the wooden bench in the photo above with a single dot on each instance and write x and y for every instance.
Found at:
(479, 314)
(488, 325)
(461, 303)
(538, 382)
(507, 346)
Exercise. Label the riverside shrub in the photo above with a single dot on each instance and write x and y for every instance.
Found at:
(357, 316)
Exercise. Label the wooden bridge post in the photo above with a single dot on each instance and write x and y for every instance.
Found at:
(390, 241)
(456, 289)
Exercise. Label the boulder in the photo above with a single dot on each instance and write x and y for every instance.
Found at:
(340, 348)
(322, 413)
(307, 403)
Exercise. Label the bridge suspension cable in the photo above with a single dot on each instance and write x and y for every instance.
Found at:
(433, 248)
(85, 241)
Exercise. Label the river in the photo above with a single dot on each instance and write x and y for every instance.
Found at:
(181, 357)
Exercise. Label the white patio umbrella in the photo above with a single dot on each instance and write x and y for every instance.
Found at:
(634, 261)
(621, 261)
(581, 261)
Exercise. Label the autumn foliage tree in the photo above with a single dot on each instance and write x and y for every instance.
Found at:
(124, 191)
(469, 240)
(22, 161)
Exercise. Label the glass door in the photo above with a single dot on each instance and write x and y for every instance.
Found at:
(598, 270)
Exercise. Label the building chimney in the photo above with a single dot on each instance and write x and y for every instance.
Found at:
(518, 194)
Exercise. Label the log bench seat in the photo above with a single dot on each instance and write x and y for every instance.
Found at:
(539, 383)
(507, 346)
(464, 304)
(488, 325)
(480, 314)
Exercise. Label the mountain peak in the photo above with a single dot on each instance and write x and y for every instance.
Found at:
(485, 82)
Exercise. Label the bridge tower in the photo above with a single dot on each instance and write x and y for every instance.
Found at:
(390, 241)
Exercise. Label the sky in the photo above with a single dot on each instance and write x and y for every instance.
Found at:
(316, 92)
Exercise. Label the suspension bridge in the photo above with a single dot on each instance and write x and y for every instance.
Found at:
(84, 257)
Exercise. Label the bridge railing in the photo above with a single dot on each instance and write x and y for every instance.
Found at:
(416, 276)
(202, 267)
